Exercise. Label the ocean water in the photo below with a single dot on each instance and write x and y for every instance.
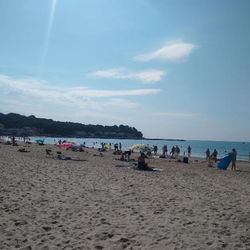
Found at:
(198, 147)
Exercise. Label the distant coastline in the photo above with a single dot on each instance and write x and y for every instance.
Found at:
(159, 139)
(22, 126)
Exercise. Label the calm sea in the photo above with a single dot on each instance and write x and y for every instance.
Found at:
(198, 147)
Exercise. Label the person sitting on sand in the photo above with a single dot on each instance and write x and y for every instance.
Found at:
(23, 150)
(127, 154)
(142, 165)
(122, 158)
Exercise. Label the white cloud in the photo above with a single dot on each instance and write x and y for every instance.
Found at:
(149, 76)
(121, 103)
(27, 89)
(174, 50)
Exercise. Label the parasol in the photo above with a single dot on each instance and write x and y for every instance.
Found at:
(141, 147)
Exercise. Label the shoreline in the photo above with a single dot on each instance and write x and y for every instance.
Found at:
(126, 145)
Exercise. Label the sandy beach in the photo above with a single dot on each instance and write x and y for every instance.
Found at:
(47, 203)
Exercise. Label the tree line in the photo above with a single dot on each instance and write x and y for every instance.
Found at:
(16, 124)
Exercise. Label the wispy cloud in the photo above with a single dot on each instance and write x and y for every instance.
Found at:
(25, 88)
(48, 33)
(176, 114)
(174, 50)
(149, 76)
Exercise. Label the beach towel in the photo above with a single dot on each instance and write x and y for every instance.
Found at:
(66, 145)
(157, 169)
(124, 166)
(224, 162)
(150, 169)
(67, 158)
(40, 141)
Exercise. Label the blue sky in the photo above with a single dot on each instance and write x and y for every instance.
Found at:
(172, 69)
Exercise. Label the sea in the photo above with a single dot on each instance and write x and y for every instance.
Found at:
(198, 147)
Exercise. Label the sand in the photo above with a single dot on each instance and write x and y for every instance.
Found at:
(46, 203)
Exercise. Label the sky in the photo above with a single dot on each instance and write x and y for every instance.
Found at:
(170, 68)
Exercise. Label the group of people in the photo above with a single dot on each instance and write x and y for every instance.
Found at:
(175, 151)
(214, 155)
(118, 146)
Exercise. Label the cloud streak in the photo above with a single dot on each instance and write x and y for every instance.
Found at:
(149, 76)
(50, 24)
(33, 88)
(172, 51)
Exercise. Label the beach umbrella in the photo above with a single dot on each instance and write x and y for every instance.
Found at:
(142, 148)
(225, 161)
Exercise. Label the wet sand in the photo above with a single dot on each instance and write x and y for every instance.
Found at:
(46, 203)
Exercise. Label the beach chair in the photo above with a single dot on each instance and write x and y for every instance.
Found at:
(48, 153)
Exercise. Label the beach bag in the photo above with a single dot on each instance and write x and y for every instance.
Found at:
(185, 159)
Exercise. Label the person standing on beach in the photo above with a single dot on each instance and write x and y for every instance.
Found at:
(214, 155)
(189, 150)
(177, 150)
(234, 156)
(173, 151)
(155, 149)
(13, 140)
(207, 153)
(164, 150)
